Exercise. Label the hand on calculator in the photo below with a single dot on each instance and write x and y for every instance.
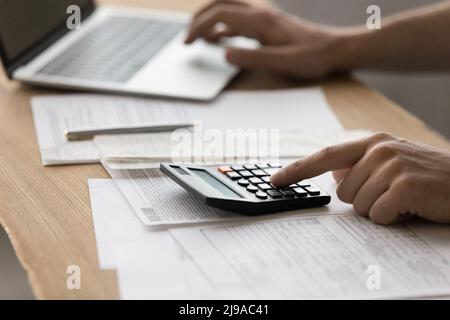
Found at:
(245, 189)
(383, 177)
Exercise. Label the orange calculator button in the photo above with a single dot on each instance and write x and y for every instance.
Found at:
(224, 169)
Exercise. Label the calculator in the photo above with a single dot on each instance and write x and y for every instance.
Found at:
(245, 189)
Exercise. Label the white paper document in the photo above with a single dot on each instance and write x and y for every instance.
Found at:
(288, 109)
(54, 114)
(312, 255)
(220, 146)
(108, 205)
(150, 263)
(158, 200)
(320, 257)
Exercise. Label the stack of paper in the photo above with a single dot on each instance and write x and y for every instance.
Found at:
(155, 148)
(304, 111)
(326, 253)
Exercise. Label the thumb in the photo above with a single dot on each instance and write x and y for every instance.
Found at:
(338, 175)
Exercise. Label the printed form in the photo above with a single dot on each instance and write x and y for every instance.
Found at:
(54, 114)
(313, 255)
(318, 257)
(158, 200)
(150, 264)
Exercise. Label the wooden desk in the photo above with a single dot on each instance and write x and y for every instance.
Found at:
(46, 211)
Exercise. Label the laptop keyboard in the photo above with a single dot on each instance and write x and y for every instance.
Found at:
(115, 50)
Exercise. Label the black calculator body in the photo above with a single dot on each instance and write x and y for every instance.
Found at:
(245, 189)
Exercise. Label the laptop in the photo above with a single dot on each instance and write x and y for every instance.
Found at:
(112, 49)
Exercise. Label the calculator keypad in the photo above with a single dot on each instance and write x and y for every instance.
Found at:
(266, 179)
(233, 175)
(245, 174)
(264, 186)
(274, 193)
(259, 173)
(243, 182)
(271, 171)
(287, 192)
(261, 195)
(300, 192)
(255, 178)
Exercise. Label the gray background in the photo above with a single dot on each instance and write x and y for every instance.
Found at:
(426, 95)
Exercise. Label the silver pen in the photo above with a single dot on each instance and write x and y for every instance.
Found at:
(89, 133)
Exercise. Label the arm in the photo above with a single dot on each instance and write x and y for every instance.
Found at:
(413, 40)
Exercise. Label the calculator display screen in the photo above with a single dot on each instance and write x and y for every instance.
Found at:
(215, 183)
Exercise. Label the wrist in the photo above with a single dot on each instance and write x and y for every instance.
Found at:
(353, 48)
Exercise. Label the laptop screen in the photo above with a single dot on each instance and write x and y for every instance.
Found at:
(25, 23)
